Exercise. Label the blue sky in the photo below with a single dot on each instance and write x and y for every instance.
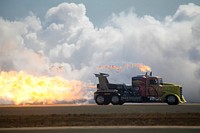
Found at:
(97, 10)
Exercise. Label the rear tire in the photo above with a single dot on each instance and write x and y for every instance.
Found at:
(115, 100)
(102, 100)
(172, 100)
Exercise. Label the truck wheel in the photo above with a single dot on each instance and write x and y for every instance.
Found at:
(172, 100)
(115, 100)
(100, 100)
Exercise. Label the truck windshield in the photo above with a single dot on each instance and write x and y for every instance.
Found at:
(160, 81)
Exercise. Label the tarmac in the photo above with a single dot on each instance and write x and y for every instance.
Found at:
(98, 109)
(110, 129)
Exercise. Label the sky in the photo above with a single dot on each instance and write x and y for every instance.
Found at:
(97, 10)
(71, 39)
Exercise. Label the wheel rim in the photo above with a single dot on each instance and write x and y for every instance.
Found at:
(171, 99)
(100, 99)
(115, 99)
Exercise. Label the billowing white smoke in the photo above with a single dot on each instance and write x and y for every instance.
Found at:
(67, 39)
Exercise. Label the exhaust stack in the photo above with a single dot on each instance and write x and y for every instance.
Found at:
(150, 73)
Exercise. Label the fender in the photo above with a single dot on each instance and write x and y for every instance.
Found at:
(177, 96)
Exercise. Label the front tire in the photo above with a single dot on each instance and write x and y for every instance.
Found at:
(172, 100)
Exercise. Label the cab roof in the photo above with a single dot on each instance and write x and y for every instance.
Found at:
(145, 76)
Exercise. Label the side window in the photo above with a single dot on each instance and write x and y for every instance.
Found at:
(153, 81)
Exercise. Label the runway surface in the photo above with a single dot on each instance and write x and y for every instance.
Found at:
(94, 115)
(95, 109)
(113, 129)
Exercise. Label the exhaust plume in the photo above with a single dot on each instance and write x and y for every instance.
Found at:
(117, 68)
(23, 88)
(143, 68)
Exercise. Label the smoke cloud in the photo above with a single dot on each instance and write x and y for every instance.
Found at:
(68, 40)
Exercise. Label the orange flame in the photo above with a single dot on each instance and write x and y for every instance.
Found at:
(22, 88)
(142, 67)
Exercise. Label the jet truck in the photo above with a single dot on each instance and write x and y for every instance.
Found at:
(143, 89)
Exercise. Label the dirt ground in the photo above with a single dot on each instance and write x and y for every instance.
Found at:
(133, 119)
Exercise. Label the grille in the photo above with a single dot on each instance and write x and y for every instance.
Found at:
(181, 93)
